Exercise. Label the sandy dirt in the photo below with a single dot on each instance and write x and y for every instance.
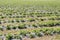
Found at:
(41, 38)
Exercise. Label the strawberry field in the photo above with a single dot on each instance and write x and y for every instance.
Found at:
(29, 18)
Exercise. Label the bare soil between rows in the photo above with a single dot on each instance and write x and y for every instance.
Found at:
(54, 37)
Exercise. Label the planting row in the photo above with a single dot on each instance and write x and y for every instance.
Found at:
(38, 32)
(33, 13)
(28, 19)
(30, 25)
(27, 8)
(28, 14)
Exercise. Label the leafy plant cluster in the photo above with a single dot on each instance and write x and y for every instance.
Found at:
(39, 32)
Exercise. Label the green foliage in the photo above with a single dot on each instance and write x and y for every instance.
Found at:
(8, 27)
(9, 36)
(40, 13)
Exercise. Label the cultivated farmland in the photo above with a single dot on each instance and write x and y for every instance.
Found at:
(29, 19)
